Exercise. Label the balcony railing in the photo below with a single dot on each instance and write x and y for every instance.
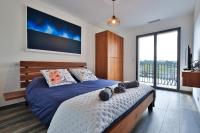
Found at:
(166, 73)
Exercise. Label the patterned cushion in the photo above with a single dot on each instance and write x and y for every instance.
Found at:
(68, 76)
(83, 74)
(57, 77)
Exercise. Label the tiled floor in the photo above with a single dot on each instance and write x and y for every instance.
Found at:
(173, 113)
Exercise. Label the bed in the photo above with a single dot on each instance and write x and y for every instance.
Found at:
(50, 105)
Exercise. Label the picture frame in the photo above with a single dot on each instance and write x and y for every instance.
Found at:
(49, 34)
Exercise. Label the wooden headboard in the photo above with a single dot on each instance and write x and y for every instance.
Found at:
(31, 69)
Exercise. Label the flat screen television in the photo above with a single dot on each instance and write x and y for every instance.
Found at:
(188, 58)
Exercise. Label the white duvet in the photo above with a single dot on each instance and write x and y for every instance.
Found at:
(86, 113)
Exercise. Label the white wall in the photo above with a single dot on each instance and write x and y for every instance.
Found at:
(196, 50)
(13, 42)
(129, 57)
(186, 24)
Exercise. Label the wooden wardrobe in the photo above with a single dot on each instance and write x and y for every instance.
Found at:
(109, 56)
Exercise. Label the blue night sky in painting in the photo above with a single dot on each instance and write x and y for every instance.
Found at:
(44, 23)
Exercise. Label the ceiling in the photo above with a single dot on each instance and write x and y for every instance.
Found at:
(131, 12)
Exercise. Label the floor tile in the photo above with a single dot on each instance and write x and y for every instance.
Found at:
(150, 122)
(173, 113)
(171, 123)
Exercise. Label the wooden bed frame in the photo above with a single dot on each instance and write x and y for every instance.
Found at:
(31, 69)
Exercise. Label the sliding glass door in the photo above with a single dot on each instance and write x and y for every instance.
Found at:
(146, 59)
(158, 59)
(167, 59)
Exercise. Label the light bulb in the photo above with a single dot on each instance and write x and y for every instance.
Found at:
(114, 21)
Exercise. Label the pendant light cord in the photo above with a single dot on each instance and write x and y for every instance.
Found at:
(113, 7)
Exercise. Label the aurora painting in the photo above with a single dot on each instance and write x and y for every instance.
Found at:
(45, 32)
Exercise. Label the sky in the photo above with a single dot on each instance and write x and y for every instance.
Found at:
(166, 47)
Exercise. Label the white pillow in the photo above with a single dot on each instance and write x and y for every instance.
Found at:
(83, 74)
(57, 77)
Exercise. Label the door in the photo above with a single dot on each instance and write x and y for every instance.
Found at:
(146, 59)
(167, 59)
(158, 59)
(115, 57)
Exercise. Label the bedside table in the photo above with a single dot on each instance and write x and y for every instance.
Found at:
(14, 95)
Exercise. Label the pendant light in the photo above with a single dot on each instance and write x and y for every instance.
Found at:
(113, 21)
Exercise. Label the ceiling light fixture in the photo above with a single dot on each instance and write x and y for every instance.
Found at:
(113, 21)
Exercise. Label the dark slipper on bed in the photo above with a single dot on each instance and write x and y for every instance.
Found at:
(105, 94)
(119, 89)
(130, 84)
